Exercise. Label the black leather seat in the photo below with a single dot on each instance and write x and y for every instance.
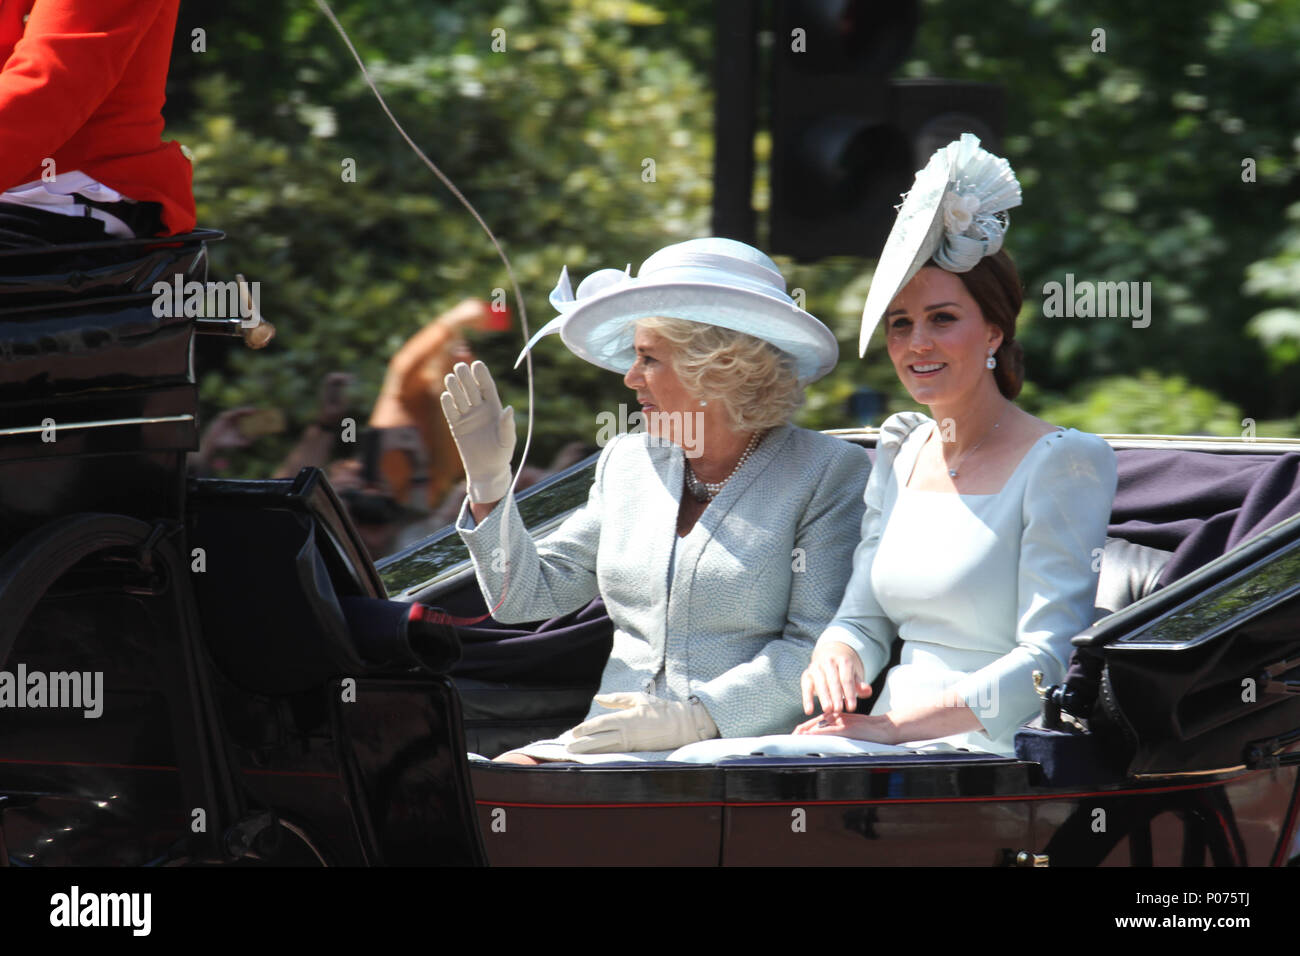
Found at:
(1128, 572)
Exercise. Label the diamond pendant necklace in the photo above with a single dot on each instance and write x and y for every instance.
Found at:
(952, 472)
(708, 490)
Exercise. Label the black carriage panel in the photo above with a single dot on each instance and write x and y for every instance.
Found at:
(271, 561)
(1214, 683)
(624, 814)
(98, 783)
(329, 693)
(943, 809)
(400, 746)
(110, 747)
(97, 400)
(1229, 820)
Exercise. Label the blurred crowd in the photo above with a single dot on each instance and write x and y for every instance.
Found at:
(398, 475)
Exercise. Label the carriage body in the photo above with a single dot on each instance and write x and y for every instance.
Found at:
(246, 716)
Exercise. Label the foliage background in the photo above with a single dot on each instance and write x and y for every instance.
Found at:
(1130, 159)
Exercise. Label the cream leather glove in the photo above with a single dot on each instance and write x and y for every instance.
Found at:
(484, 433)
(644, 722)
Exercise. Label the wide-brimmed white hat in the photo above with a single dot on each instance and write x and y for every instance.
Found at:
(713, 281)
(955, 214)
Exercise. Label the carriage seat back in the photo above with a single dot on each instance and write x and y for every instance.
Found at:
(1128, 572)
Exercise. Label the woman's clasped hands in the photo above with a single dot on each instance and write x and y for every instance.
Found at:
(835, 677)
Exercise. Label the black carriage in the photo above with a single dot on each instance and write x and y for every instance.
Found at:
(268, 696)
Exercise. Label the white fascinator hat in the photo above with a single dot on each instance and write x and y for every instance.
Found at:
(954, 214)
(713, 281)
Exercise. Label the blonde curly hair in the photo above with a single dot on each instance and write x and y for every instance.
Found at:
(755, 381)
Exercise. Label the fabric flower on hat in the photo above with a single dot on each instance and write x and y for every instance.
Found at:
(959, 212)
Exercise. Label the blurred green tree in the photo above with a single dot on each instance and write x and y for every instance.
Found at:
(1131, 158)
(548, 137)
(1132, 163)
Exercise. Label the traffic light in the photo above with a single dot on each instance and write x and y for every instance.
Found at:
(846, 138)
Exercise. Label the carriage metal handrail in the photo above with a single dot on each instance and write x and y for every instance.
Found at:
(187, 238)
(103, 423)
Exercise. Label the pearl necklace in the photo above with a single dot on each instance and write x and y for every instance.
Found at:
(708, 490)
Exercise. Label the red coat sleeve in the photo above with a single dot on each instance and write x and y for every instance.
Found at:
(71, 56)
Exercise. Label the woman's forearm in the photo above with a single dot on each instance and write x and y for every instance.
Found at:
(949, 715)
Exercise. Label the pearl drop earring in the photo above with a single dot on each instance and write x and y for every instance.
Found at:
(991, 362)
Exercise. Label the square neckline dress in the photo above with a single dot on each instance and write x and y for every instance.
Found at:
(947, 568)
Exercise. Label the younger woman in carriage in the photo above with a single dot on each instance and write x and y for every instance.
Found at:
(984, 525)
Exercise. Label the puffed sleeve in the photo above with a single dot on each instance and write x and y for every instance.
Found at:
(523, 580)
(860, 622)
(762, 696)
(1067, 505)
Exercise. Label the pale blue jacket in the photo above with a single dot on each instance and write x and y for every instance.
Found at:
(752, 585)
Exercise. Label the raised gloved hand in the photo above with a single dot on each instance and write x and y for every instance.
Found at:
(643, 722)
(484, 433)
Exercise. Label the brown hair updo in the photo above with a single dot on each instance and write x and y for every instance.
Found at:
(994, 284)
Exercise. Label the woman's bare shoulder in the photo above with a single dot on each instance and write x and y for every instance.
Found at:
(1032, 428)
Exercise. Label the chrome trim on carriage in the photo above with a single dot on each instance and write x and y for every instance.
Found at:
(1239, 768)
(1234, 443)
(104, 423)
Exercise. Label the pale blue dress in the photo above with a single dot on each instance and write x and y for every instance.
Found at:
(983, 589)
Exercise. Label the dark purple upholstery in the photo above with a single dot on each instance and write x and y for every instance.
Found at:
(1200, 504)
(567, 650)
